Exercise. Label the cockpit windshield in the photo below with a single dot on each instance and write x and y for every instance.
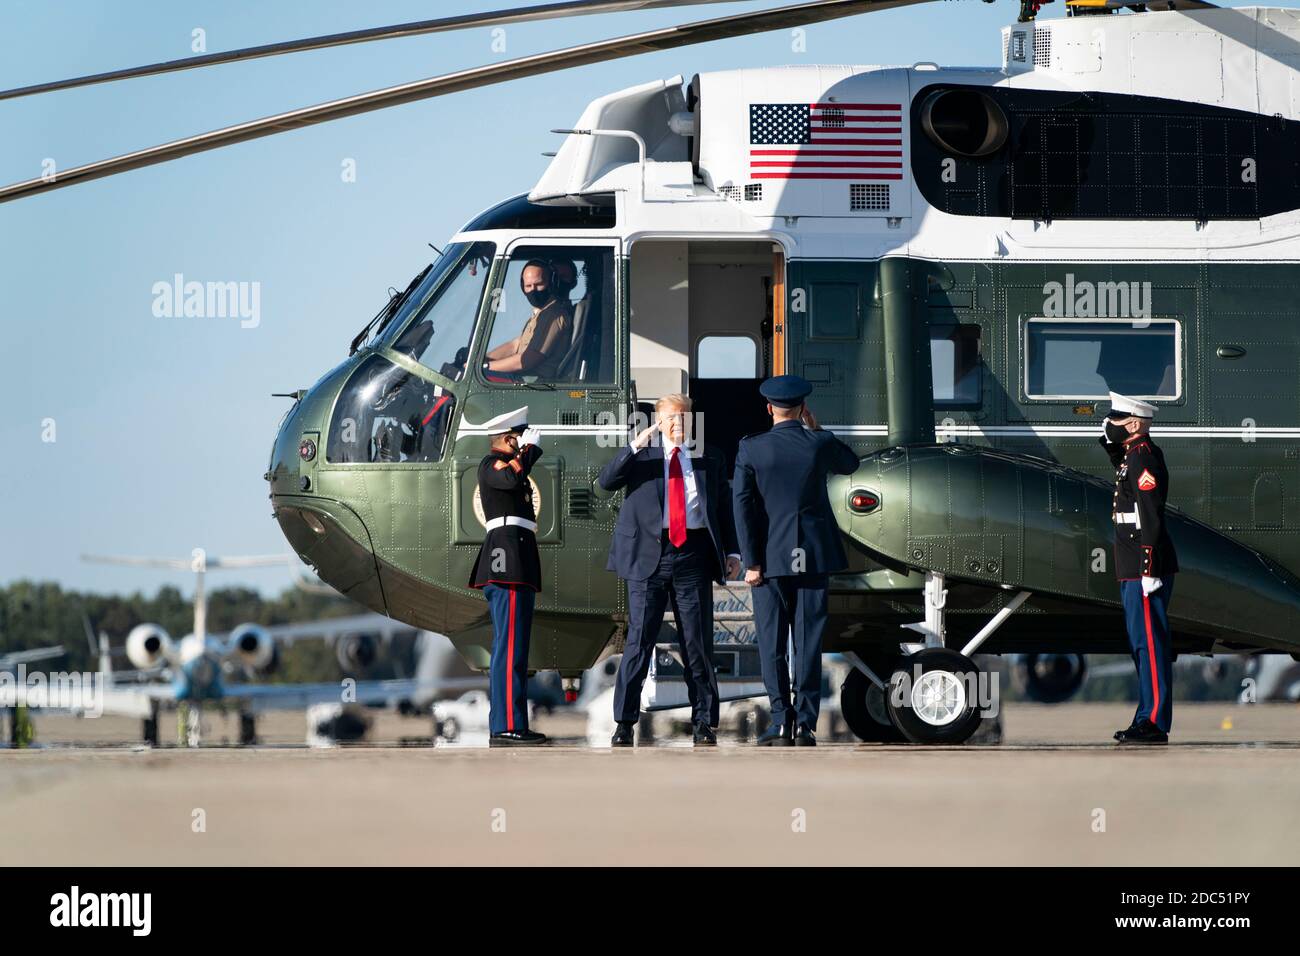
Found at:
(436, 322)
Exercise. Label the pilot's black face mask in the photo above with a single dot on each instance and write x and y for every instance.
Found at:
(538, 296)
(1116, 434)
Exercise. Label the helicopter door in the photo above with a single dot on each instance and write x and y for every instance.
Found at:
(833, 337)
(550, 340)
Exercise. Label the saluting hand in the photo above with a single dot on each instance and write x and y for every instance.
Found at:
(644, 437)
(809, 419)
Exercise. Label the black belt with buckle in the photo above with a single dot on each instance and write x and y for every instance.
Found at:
(692, 534)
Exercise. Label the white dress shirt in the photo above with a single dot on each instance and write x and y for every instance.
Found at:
(694, 508)
(694, 512)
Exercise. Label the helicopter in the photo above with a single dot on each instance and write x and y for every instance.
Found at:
(964, 261)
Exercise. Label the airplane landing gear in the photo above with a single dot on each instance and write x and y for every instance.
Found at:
(149, 726)
(189, 724)
(247, 729)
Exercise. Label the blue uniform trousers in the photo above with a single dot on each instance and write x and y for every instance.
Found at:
(1147, 619)
(786, 605)
(511, 607)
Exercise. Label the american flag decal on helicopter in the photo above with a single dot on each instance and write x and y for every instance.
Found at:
(826, 141)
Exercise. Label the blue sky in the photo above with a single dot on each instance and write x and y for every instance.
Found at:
(163, 425)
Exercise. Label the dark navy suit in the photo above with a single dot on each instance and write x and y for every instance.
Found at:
(786, 528)
(658, 573)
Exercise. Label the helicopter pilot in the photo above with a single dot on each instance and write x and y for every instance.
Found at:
(1145, 562)
(508, 571)
(790, 544)
(540, 346)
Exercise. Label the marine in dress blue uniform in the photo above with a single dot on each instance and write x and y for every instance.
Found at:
(508, 571)
(790, 544)
(1145, 562)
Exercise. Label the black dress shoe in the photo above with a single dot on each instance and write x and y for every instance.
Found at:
(803, 737)
(1144, 733)
(1119, 734)
(704, 736)
(516, 738)
(777, 735)
(622, 735)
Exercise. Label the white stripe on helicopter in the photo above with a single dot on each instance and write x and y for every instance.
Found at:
(993, 431)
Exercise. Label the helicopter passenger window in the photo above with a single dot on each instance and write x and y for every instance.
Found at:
(439, 336)
(955, 365)
(553, 317)
(726, 356)
(386, 414)
(1083, 360)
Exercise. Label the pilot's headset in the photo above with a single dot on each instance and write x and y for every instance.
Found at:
(535, 299)
(560, 270)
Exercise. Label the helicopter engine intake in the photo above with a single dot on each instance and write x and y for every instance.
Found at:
(356, 652)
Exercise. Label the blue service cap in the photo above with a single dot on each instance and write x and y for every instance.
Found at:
(786, 391)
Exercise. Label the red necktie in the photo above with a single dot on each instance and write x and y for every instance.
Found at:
(676, 501)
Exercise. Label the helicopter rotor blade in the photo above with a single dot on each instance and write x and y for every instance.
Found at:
(667, 38)
(545, 11)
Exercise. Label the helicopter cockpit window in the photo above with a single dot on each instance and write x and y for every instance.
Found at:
(386, 414)
(553, 317)
(445, 311)
(1089, 360)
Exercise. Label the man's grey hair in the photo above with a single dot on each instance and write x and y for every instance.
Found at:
(676, 399)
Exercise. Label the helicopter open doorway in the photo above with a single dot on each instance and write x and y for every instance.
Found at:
(703, 322)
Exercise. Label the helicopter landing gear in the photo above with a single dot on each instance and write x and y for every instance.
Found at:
(936, 694)
(862, 702)
(932, 697)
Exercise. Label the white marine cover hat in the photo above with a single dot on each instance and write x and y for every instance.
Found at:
(1123, 405)
(515, 421)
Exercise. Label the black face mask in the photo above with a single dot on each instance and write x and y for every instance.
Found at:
(538, 297)
(1116, 434)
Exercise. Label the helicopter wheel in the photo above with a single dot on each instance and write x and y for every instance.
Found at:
(931, 697)
(864, 709)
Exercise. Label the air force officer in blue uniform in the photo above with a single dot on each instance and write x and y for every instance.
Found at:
(673, 539)
(790, 544)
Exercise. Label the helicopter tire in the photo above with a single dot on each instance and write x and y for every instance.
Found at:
(931, 697)
(864, 709)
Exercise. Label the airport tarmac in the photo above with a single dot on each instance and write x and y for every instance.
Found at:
(1057, 791)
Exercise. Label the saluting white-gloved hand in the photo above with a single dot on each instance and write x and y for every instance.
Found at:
(531, 436)
(1150, 586)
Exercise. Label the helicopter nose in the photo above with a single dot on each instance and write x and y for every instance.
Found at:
(333, 540)
(327, 534)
